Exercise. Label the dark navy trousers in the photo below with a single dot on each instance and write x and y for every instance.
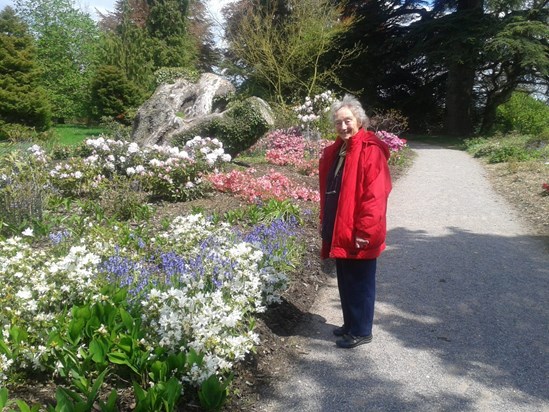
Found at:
(356, 281)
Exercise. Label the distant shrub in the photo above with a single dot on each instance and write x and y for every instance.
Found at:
(112, 94)
(391, 121)
(523, 114)
(504, 148)
(171, 74)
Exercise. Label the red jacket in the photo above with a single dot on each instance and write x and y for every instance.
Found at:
(362, 206)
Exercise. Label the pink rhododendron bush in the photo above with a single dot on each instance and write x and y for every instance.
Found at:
(284, 147)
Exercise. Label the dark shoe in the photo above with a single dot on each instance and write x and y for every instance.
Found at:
(350, 341)
(340, 331)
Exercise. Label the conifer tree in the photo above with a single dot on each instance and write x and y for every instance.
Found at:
(22, 100)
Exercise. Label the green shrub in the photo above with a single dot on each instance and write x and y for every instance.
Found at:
(240, 127)
(504, 148)
(508, 153)
(22, 99)
(523, 114)
(112, 94)
(170, 74)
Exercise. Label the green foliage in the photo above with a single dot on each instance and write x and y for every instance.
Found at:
(67, 42)
(283, 50)
(238, 130)
(18, 133)
(213, 393)
(130, 50)
(22, 182)
(22, 100)
(112, 94)
(117, 130)
(6, 403)
(121, 198)
(170, 74)
(523, 114)
(260, 213)
(508, 148)
(167, 26)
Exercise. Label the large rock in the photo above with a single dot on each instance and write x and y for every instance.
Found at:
(177, 109)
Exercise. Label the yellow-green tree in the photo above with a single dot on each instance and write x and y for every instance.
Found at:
(280, 47)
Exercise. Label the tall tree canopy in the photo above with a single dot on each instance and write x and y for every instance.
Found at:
(22, 100)
(66, 40)
(452, 64)
(145, 35)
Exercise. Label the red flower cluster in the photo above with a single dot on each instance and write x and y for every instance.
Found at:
(545, 186)
(271, 186)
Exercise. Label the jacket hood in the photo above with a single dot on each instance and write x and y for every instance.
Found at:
(368, 137)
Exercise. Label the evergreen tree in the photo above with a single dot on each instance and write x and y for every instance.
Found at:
(22, 100)
(451, 65)
(142, 36)
(112, 93)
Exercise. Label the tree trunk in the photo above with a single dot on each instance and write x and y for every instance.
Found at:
(461, 73)
(459, 99)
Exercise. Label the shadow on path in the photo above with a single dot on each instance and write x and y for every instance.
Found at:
(461, 324)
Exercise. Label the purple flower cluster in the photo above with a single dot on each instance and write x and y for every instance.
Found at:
(273, 238)
(170, 269)
(59, 236)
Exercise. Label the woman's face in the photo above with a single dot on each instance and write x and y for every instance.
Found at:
(346, 123)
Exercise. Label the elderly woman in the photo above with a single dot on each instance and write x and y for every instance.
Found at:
(354, 184)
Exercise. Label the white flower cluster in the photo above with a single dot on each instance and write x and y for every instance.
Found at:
(205, 304)
(35, 288)
(208, 311)
(38, 153)
(156, 166)
(313, 109)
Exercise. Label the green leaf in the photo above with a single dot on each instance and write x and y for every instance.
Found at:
(18, 334)
(3, 397)
(121, 358)
(23, 406)
(75, 330)
(212, 394)
(95, 389)
(159, 370)
(126, 344)
(5, 349)
(127, 320)
(140, 393)
(98, 349)
(110, 406)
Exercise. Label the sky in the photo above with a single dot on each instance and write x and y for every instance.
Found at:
(214, 6)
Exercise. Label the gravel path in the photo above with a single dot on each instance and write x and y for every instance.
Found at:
(462, 312)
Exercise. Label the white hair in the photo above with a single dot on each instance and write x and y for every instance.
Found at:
(354, 106)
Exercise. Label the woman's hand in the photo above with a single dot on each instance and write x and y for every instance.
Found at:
(361, 243)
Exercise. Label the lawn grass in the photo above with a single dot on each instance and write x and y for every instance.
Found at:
(62, 135)
(74, 134)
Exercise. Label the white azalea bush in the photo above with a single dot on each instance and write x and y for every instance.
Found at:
(313, 115)
(36, 288)
(166, 172)
(197, 286)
